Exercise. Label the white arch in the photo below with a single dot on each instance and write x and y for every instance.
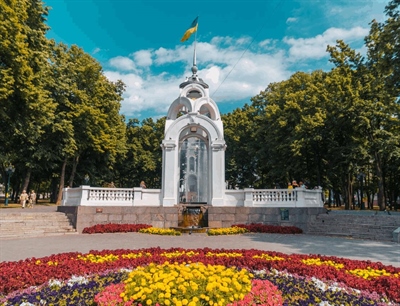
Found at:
(211, 106)
(177, 105)
(191, 87)
(206, 124)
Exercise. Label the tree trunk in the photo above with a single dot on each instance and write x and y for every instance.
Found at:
(27, 179)
(330, 198)
(61, 186)
(53, 192)
(349, 193)
(378, 169)
(74, 165)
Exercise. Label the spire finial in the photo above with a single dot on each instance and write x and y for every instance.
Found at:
(194, 69)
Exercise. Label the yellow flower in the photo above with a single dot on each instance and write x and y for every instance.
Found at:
(185, 284)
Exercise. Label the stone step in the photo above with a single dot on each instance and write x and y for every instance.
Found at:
(356, 221)
(31, 216)
(35, 234)
(22, 223)
(55, 228)
(360, 227)
(34, 224)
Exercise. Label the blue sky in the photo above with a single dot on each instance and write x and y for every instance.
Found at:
(242, 45)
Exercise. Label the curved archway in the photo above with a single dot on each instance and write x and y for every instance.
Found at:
(182, 103)
(193, 170)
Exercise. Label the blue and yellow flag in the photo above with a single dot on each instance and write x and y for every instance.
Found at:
(191, 30)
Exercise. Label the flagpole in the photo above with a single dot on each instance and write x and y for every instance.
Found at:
(194, 50)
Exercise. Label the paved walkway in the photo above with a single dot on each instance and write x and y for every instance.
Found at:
(22, 248)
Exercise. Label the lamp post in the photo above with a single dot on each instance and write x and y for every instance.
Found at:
(361, 177)
(9, 170)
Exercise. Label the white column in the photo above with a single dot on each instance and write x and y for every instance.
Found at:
(85, 189)
(248, 197)
(137, 195)
(217, 172)
(64, 196)
(170, 172)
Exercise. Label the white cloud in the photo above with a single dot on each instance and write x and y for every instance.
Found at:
(145, 93)
(352, 13)
(164, 56)
(96, 50)
(232, 73)
(122, 63)
(213, 75)
(315, 47)
(291, 20)
(143, 58)
(235, 68)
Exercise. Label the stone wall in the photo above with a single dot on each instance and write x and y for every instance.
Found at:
(166, 217)
(85, 216)
(227, 216)
(354, 224)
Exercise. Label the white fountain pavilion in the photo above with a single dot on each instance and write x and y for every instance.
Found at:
(193, 165)
(193, 192)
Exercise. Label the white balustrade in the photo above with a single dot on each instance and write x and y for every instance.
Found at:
(95, 196)
(249, 197)
(111, 194)
(285, 197)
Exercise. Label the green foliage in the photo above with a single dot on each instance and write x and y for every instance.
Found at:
(290, 129)
(241, 158)
(323, 128)
(143, 160)
(27, 109)
(56, 102)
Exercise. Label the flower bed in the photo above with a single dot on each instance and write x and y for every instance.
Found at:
(234, 229)
(160, 231)
(273, 229)
(76, 278)
(114, 228)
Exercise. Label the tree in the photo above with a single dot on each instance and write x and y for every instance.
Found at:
(241, 160)
(291, 126)
(143, 160)
(27, 109)
(383, 45)
(87, 115)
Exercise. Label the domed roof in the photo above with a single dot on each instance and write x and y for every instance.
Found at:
(194, 79)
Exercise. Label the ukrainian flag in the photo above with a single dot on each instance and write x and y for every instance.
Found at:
(191, 30)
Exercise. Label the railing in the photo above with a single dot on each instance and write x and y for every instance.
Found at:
(285, 197)
(274, 195)
(94, 196)
(249, 197)
(111, 194)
